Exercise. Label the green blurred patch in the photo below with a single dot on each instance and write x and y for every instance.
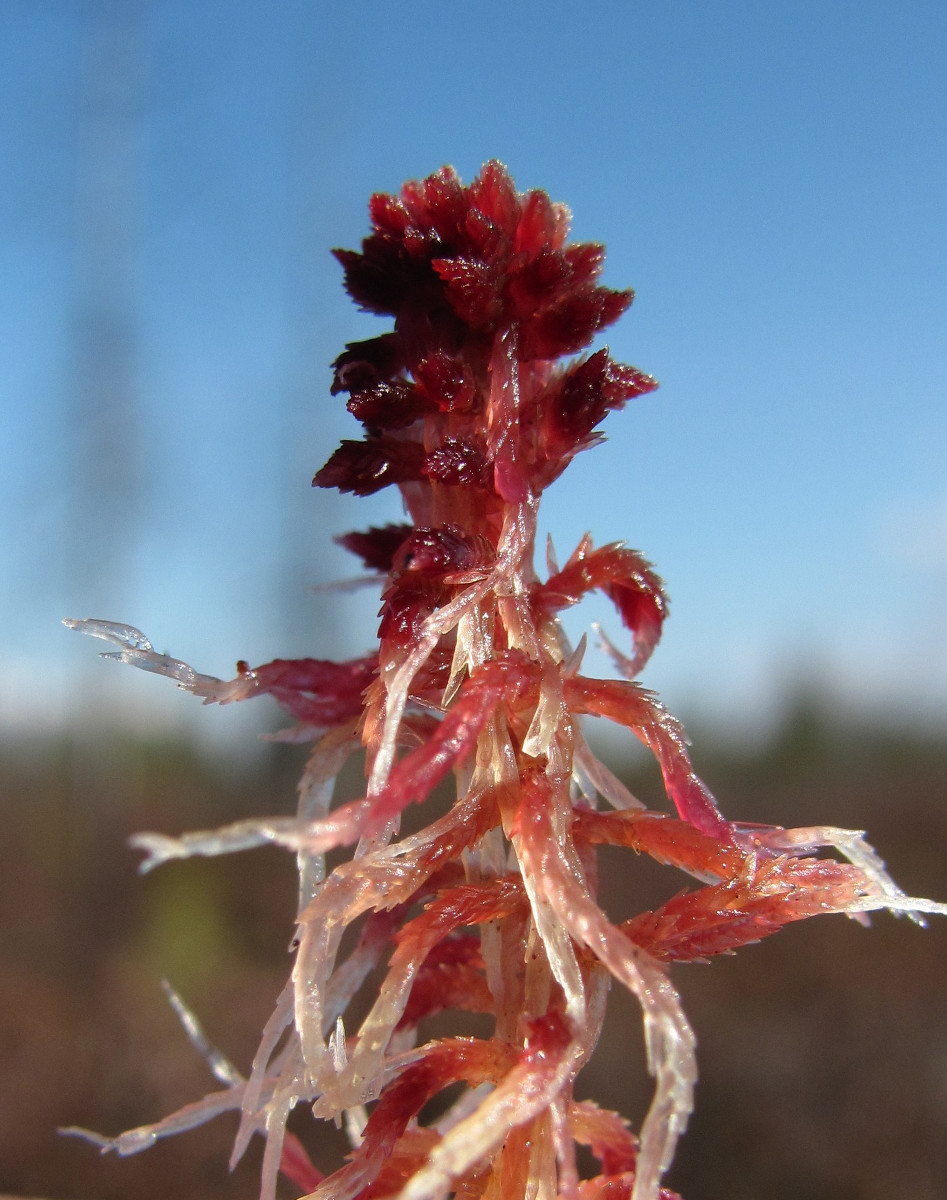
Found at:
(185, 933)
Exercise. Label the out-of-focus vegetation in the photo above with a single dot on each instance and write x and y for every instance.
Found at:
(823, 1052)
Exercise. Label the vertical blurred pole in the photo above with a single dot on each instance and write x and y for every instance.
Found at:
(104, 482)
(311, 623)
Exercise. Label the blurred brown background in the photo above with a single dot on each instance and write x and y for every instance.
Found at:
(823, 1051)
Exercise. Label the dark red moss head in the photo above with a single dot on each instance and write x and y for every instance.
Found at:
(447, 260)
(484, 291)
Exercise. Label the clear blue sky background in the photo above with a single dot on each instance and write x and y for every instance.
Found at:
(771, 178)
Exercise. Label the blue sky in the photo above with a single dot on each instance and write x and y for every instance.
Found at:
(772, 179)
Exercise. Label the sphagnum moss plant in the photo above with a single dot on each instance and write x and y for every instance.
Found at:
(492, 908)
